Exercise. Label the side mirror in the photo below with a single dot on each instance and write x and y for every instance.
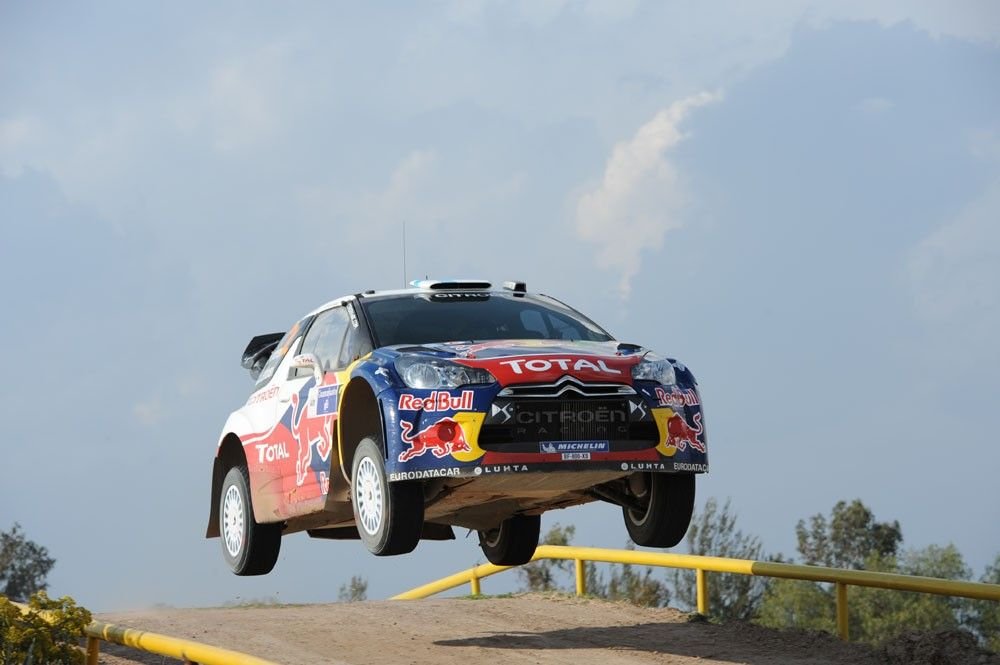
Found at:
(258, 351)
(309, 361)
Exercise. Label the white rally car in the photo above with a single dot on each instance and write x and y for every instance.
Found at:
(394, 416)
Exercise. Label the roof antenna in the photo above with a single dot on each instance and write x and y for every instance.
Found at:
(404, 253)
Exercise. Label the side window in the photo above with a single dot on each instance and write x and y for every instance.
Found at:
(279, 352)
(324, 339)
(356, 345)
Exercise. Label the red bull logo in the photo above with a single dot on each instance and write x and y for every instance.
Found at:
(440, 439)
(438, 400)
(682, 435)
(308, 432)
(676, 398)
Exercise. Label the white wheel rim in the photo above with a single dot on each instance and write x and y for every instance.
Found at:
(492, 537)
(368, 495)
(233, 521)
(639, 519)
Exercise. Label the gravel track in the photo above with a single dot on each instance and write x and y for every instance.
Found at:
(536, 629)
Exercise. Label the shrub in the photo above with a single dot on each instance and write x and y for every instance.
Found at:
(49, 632)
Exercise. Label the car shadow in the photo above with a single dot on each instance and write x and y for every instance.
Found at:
(736, 642)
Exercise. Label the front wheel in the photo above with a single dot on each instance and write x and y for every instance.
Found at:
(513, 542)
(665, 502)
(389, 516)
(249, 548)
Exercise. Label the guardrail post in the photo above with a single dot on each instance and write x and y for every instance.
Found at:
(842, 623)
(93, 650)
(701, 584)
(581, 578)
(474, 583)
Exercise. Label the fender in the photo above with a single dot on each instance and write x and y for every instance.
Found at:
(237, 424)
(365, 414)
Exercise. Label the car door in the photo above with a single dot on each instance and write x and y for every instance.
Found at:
(311, 411)
(268, 447)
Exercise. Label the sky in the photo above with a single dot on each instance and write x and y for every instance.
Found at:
(799, 200)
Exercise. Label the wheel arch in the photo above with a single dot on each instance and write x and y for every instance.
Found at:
(230, 454)
(360, 415)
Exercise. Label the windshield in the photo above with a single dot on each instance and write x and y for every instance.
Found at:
(426, 318)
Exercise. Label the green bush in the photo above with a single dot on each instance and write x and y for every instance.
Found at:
(49, 633)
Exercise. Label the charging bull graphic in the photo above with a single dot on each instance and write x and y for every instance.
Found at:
(441, 439)
(308, 433)
(682, 435)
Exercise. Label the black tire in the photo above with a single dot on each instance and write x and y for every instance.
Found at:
(513, 542)
(668, 500)
(389, 516)
(249, 548)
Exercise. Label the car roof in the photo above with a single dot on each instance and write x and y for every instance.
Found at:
(425, 286)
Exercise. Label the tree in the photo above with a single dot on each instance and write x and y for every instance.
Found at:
(24, 565)
(353, 591)
(543, 575)
(713, 532)
(985, 614)
(634, 584)
(798, 604)
(852, 538)
(881, 614)
(848, 538)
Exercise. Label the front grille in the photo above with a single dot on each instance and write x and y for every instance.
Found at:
(569, 387)
(520, 425)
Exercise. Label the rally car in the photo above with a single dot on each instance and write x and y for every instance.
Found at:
(393, 416)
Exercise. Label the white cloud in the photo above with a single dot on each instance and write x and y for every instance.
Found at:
(149, 412)
(409, 176)
(874, 105)
(540, 13)
(972, 20)
(612, 10)
(17, 131)
(640, 196)
(17, 135)
(404, 196)
(954, 271)
(246, 95)
(241, 101)
(985, 143)
(425, 189)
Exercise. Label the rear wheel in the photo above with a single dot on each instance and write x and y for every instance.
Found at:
(249, 548)
(665, 502)
(389, 516)
(513, 542)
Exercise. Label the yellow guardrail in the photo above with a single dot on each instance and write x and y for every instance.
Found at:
(188, 651)
(710, 564)
(164, 645)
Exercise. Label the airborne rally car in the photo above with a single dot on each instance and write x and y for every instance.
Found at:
(394, 416)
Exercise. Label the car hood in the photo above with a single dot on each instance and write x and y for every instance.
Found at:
(540, 361)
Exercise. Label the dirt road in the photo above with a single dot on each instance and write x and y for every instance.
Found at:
(526, 629)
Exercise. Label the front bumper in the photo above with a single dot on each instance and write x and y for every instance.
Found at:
(475, 432)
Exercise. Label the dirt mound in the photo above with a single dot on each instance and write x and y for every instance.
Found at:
(533, 629)
(946, 647)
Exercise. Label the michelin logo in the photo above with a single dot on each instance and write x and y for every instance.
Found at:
(574, 446)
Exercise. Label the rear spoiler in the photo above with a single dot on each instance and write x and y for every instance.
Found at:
(258, 351)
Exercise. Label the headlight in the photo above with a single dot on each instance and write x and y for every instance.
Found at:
(655, 369)
(435, 373)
